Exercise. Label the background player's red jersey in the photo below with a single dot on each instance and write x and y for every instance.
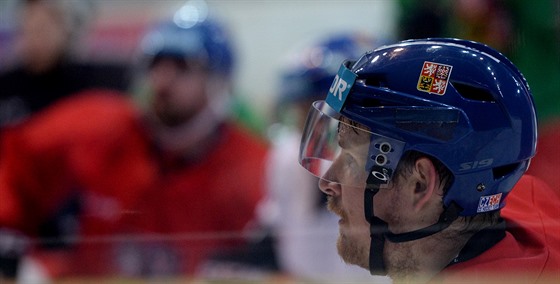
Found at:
(138, 211)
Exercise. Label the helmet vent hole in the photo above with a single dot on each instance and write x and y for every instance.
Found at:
(500, 172)
(473, 93)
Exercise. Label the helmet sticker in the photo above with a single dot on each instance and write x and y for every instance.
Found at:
(489, 203)
(434, 78)
(340, 87)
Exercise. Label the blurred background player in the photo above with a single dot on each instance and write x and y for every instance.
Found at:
(294, 210)
(49, 65)
(158, 190)
(206, 158)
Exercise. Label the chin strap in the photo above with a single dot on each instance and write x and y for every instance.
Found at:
(447, 217)
(379, 229)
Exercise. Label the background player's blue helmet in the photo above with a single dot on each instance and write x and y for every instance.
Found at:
(310, 70)
(458, 101)
(205, 40)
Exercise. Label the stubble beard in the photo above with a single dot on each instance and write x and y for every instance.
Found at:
(349, 248)
(352, 252)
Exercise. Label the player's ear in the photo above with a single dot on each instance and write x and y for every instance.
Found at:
(425, 176)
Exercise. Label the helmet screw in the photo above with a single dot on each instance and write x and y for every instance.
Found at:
(480, 187)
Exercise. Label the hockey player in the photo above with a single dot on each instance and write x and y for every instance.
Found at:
(421, 147)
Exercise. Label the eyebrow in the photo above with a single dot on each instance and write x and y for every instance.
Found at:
(342, 131)
(347, 133)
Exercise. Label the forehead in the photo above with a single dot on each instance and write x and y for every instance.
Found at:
(180, 63)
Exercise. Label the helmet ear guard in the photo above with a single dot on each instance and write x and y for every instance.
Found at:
(384, 155)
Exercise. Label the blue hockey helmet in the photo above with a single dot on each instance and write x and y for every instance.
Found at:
(458, 101)
(202, 39)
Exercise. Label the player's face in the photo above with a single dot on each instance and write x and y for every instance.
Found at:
(346, 199)
(179, 89)
(43, 36)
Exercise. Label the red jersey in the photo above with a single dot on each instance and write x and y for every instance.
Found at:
(546, 163)
(530, 251)
(136, 216)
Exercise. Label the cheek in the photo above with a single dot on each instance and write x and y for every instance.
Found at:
(191, 86)
(161, 78)
(354, 204)
(190, 91)
(387, 205)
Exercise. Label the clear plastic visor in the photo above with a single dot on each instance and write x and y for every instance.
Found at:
(337, 149)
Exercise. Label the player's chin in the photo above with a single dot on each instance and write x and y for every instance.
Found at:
(351, 251)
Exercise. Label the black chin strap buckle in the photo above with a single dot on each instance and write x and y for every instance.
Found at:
(368, 202)
(377, 176)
